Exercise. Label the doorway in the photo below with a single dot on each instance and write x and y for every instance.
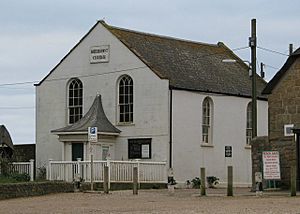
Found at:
(77, 151)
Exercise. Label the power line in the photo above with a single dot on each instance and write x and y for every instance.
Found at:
(66, 78)
(16, 107)
(90, 75)
(272, 51)
(270, 66)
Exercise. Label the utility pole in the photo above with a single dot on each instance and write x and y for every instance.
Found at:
(252, 45)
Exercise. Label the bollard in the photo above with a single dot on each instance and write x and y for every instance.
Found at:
(135, 180)
(202, 185)
(230, 181)
(293, 181)
(105, 183)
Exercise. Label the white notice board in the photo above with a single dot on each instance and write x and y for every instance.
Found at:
(145, 151)
(271, 165)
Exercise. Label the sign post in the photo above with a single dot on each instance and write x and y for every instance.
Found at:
(92, 138)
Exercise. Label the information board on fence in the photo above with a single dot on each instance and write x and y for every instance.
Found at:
(271, 165)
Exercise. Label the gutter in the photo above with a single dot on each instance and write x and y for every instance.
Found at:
(170, 126)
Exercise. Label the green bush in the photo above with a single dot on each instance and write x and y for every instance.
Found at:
(196, 182)
(20, 177)
(14, 178)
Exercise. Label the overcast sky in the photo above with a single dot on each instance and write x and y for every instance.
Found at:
(36, 34)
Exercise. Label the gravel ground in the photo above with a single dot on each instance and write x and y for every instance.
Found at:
(154, 201)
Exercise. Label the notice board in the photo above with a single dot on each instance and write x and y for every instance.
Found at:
(271, 165)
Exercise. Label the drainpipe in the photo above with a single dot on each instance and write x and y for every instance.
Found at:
(170, 125)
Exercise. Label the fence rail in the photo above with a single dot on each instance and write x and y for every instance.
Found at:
(22, 167)
(119, 171)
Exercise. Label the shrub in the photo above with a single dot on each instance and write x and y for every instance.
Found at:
(20, 177)
(212, 181)
(41, 173)
(196, 182)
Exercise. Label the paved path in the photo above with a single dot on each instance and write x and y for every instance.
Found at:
(154, 201)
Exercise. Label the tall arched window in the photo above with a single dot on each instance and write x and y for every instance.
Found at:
(125, 103)
(75, 95)
(249, 123)
(207, 114)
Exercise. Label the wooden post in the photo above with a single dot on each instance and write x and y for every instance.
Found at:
(293, 181)
(202, 185)
(230, 181)
(105, 182)
(92, 172)
(135, 180)
(31, 170)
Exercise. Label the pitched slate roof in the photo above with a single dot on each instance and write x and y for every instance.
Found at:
(190, 65)
(5, 137)
(95, 117)
(277, 77)
(186, 64)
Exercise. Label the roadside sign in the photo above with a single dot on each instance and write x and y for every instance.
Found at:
(271, 165)
(228, 151)
(92, 134)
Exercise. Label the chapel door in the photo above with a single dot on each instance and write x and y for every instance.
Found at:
(77, 151)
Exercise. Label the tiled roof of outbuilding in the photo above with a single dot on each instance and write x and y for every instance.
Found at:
(190, 65)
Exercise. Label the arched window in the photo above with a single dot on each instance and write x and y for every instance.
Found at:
(125, 102)
(207, 114)
(249, 123)
(75, 94)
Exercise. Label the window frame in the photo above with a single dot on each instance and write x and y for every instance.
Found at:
(249, 132)
(125, 100)
(207, 121)
(74, 100)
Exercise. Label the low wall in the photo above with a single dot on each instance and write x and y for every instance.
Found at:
(287, 157)
(14, 190)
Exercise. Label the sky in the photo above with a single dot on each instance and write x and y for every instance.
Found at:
(36, 34)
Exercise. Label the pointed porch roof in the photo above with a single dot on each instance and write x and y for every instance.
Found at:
(95, 117)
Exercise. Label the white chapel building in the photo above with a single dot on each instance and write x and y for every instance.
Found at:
(153, 98)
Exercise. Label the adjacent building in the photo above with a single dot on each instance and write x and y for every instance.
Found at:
(284, 115)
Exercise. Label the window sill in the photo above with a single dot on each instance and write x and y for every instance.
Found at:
(248, 147)
(207, 145)
(125, 124)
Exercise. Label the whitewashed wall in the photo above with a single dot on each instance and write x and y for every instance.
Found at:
(150, 98)
(229, 129)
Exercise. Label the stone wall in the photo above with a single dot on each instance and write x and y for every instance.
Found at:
(286, 149)
(33, 189)
(284, 103)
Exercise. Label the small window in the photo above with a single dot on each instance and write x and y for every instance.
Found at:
(249, 124)
(75, 95)
(125, 100)
(207, 109)
(139, 148)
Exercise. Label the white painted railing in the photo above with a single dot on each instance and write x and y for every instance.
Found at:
(23, 167)
(119, 171)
